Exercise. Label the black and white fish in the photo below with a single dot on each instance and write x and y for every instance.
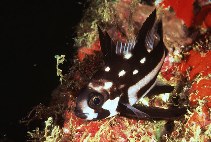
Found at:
(130, 73)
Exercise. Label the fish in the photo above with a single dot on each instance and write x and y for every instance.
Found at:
(129, 74)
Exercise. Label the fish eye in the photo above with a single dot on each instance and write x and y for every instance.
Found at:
(95, 100)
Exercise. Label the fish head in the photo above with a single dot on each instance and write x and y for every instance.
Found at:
(98, 100)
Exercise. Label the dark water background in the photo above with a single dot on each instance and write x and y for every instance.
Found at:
(32, 33)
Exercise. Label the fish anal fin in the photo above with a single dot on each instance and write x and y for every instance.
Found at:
(157, 113)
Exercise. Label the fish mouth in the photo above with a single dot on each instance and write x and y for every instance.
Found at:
(80, 114)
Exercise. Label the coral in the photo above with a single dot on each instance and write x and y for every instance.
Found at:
(187, 67)
(183, 9)
(187, 11)
(51, 133)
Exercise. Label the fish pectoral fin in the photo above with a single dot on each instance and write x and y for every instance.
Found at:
(131, 111)
(159, 89)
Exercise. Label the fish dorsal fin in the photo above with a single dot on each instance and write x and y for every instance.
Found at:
(145, 35)
(107, 45)
(124, 48)
(152, 37)
(160, 34)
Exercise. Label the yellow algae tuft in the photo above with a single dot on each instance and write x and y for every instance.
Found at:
(51, 133)
(59, 60)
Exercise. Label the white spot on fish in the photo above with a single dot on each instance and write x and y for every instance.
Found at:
(133, 90)
(107, 69)
(107, 85)
(128, 56)
(143, 60)
(135, 72)
(111, 105)
(122, 73)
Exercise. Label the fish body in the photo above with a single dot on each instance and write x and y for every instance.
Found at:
(130, 73)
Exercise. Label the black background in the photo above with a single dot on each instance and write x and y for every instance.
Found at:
(32, 33)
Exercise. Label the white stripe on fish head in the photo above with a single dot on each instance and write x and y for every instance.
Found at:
(89, 112)
(133, 90)
(111, 106)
